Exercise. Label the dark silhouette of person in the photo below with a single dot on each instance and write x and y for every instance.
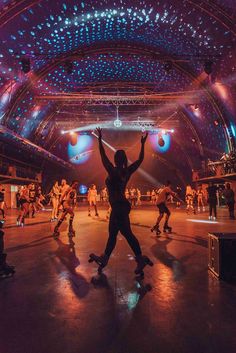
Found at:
(212, 200)
(230, 200)
(118, 177)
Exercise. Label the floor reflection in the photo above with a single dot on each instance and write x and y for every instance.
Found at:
(161, 252)
(67, 255)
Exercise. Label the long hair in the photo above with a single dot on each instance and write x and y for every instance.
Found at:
(120, 159)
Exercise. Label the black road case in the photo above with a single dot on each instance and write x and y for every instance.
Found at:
(222, 255)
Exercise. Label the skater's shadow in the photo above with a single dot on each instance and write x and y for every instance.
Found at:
(27, 224)
(100, 281)
(197, 240)
(160, 251)
(31, 244)
(67, 256)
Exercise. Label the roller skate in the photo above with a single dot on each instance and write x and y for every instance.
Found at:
(56, 233)
(71, 233)
(167, 229)
(5, 269)
(156, 229)
(100, 260)
(142, 261)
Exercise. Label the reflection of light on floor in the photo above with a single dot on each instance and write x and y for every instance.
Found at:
(133, 299)
(202, 221)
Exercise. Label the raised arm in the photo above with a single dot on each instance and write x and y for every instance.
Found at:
(134, 166)
(105, 160)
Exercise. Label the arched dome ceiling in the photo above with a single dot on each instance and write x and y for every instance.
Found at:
(119, 46)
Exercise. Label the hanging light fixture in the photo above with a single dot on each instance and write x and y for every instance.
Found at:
(117, 121)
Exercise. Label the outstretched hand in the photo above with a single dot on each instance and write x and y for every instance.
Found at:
(99, 132)
(144, 138)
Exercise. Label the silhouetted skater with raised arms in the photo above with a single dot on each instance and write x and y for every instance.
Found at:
(118, 177)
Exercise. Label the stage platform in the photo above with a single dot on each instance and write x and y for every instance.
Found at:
(51, 305)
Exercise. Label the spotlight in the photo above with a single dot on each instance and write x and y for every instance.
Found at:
(161, 142)
(168, 66)
(69, 67)
(216, 122)
(196, 107)
(62, 132)
(172, 131)
(25, 64)
(208, 67)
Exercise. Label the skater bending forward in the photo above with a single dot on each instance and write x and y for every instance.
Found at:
(163, 209)
(69, 201)
(118, 177)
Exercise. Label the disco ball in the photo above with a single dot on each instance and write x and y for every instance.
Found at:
(117, 123)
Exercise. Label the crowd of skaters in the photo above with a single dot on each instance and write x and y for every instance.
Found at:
(30, 199)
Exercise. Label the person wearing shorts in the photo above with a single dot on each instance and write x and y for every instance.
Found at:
(162, 207)
(69, 199)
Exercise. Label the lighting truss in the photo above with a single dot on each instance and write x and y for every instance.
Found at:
(91, 99)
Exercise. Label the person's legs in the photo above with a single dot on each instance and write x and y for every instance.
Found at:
(33, 209)
(167, 212)
(125, 229)
(54, 211)
(95, 208)
(63, 216)
(214, 210)
(113, 231)
(210, 209)
(231, 209)
(71, 213)
(1, 242)
(2, 211)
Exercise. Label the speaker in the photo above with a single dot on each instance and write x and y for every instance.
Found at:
(222, 255)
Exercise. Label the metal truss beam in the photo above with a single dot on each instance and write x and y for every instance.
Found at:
(118, 100)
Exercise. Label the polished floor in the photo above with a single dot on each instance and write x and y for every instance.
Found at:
(52, 305)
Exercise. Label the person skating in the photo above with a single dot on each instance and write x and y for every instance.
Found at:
(189, 197)
(2, 201)
(212, 200)
(32, 200)
(92, 200)
(118, 177)
(163, 209)
(63, 188)
(230, 200)
(24, 206)
(5, 269)
(200, 199)
(55, 194)
(69, 201)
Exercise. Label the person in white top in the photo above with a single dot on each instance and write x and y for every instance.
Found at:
(69, 201)
(189, 197)
(63, 187)
(163, 209)
(92, 199)
(55, 194)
